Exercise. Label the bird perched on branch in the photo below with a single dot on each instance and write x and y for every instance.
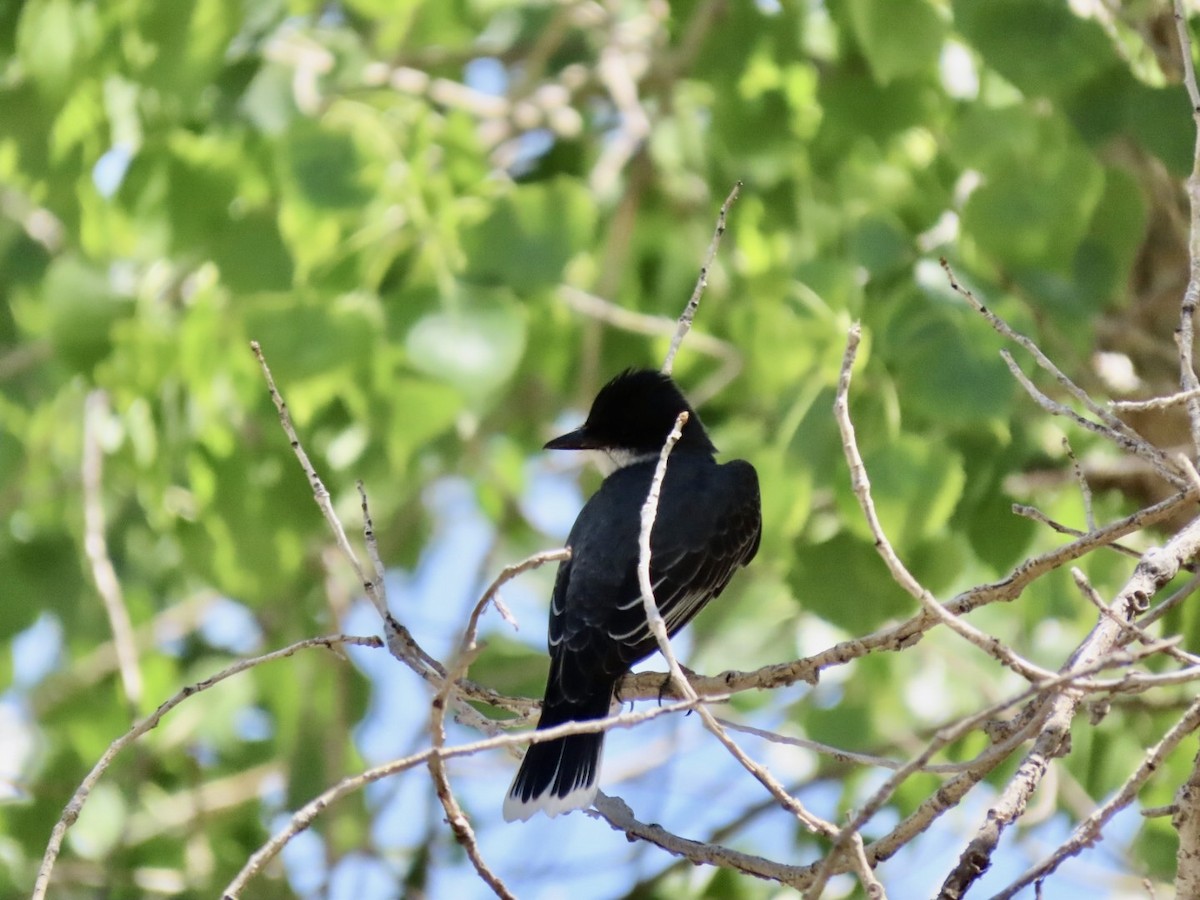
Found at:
(708, 524)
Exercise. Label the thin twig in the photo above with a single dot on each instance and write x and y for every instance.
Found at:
(951, 793)
(1131, 631)
(1157, 812)
(468, 649)
(693, 304)
(658, 627)
(1155, 569)
(861, 485)
(849, 756)
(1085, 489)
(1088, 831)
(1186, 334)
(1032, 512)
(75, 805)
(95, 545)
(641, 323)
(400, 642)
(307, 814)
(1130, 438)
(320, 494)
(617, 813)
(1134, 445)
(1173, 601)
(376, 586)
(1155, 403)
(892, 638)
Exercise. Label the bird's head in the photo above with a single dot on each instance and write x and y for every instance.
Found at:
(631, 417)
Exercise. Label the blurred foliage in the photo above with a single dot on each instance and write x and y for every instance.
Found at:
(389, 196)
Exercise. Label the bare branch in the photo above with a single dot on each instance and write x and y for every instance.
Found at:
(75, 805)
(649, 513)
(650, 685)
(1085, 490)
(659, 628)
(1186, 334)
(468, 649)
(850, 756)
(640, 323)
(1130, 631)
(1155, 569)
(320, 494)
(1032, 512)
(1130, 439)
(861, 485)
(1171, 602)
(376, 586)
(307, 814)
(1156, 402)
(693, 304)
(1185, 816)
(400, 642)
(1088, 831)
(618, 814)
(1134, 445)
(95, 546)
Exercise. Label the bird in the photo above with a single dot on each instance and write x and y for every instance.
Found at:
(708, 524)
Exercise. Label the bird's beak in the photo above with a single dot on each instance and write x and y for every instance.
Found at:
(579, 439)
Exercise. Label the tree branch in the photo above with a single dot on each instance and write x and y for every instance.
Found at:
(659, 628)
(468, 649)
(1117, 430)
(307, 814)
(79, 798)
(693, 304)
(95, 545)
(1155, 569)
(1186, 335)
(1088, 831)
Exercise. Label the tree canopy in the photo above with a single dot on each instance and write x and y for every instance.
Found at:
(447, 224)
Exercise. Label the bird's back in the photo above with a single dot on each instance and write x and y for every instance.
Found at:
(708, 524)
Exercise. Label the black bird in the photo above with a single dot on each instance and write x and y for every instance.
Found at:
(708, 524)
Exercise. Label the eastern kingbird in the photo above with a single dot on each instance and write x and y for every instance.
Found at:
(708, 524)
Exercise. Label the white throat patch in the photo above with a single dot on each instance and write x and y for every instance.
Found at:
(608, 461)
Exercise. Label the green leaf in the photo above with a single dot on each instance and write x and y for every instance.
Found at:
(1032, 210)
(1070, 50)
(83, 307)
(421, 410)
(857, 107)
(530, 235)
(41, 567)
(474, 346)
(54, 39)
(946, 364)
(844, 581)
(251, 254)
(916, 484)
(1154, 116)
(898, 37)
(1107, 253)
(881, 246)
(325, 166)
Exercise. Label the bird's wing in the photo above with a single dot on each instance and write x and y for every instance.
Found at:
(688, 567)
(708, 525)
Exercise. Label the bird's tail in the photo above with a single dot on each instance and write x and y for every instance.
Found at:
(560, 775)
